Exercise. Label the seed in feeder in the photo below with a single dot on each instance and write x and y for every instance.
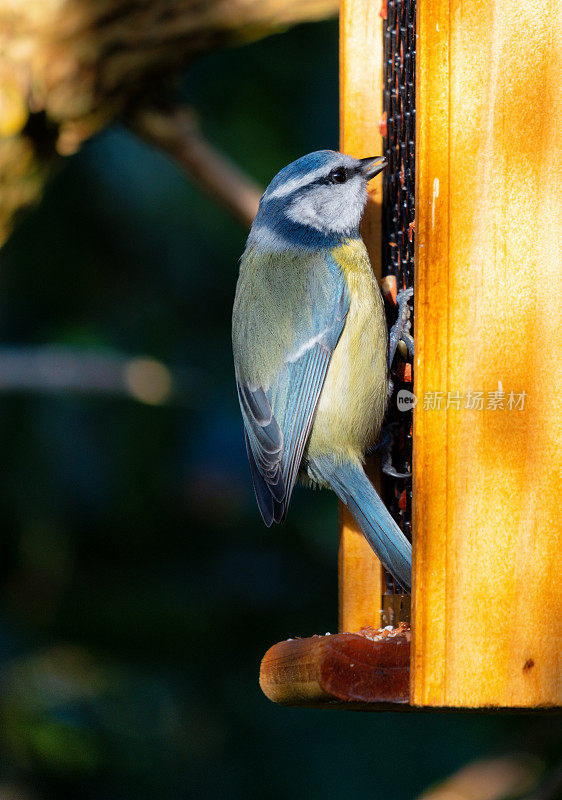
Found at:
(389, 289)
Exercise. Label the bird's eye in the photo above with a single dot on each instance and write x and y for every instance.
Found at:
(338, 175)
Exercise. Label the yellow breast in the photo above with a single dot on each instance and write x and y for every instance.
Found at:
(353, 398)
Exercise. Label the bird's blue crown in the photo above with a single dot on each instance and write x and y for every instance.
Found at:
(303, 209)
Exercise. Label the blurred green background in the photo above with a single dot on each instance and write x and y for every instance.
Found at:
(139, 586)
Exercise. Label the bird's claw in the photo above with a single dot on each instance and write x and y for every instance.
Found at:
(409, 342)
(389, 390)
(388, 469)
(400, 329)
(385, 447)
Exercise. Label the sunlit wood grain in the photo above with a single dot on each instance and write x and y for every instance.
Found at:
(360, 574)
(487, 483)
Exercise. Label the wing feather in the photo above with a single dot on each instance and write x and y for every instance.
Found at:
(313, 375)
(278, 408)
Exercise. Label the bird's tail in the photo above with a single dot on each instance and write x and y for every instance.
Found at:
(354, 489)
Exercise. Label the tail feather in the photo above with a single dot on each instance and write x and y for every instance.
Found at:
(354, 489)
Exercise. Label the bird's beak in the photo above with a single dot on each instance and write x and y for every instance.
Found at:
(372, 166)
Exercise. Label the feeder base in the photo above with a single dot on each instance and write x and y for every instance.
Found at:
(369, 670)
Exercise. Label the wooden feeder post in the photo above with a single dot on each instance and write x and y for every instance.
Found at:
(361, 65)
(487, 483)
(487, 583)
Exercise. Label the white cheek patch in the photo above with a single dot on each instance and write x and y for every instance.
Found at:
(332, 208)
(303, 211)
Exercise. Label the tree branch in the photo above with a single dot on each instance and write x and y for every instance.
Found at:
(177, 132)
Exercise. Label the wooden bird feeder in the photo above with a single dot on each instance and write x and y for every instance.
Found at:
(486, 625)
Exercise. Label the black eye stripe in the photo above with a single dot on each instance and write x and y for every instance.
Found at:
(327, 180)
(338, 175)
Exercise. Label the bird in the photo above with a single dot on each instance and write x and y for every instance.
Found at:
(310, 346)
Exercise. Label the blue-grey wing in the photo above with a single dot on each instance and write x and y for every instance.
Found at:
(290, 343)
(264, 445)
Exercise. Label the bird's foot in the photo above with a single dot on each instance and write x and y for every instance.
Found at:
(384, 449)
(389, 469)
(400, 331)
(389, 390)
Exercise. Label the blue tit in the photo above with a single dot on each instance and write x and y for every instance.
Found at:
(310, 346)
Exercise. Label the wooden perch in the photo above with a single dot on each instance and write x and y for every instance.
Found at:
(345, 670)
(70, 67)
